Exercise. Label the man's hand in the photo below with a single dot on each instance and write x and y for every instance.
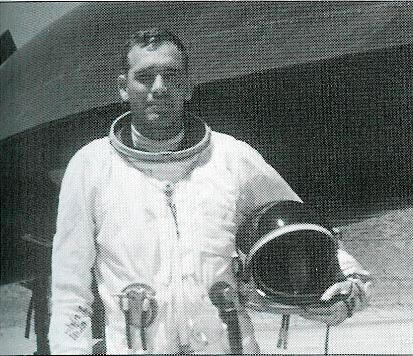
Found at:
(335, 313)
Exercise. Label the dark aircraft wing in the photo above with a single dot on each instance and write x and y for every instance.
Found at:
(72, 65)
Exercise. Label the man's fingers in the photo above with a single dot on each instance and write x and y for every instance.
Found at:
(330, 292)
(337, 288)
(335, 313)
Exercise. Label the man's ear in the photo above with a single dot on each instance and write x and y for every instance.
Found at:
(122, 87)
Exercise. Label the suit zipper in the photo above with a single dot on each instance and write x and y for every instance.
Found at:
(169, 190)
(178, 276)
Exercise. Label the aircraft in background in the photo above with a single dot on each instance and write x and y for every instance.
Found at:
(323, 90)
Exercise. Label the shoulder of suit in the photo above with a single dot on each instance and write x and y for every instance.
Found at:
(96, 148)
(94, 153)
(230, 144)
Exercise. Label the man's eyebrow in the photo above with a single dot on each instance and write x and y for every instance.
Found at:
(163, 69)
(142, 71)
(172, 69)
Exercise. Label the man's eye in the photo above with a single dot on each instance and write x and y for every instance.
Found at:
(142, 77)
(170, 75)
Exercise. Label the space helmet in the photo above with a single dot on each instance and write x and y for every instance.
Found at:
(287, 257)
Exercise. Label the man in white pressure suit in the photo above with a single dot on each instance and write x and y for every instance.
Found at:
(157, 203)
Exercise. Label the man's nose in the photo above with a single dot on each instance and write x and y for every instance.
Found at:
(158, 86)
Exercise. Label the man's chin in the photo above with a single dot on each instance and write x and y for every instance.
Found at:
(154, 117)
(159, 121)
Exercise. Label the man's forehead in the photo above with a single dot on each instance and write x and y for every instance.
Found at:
(155, 55)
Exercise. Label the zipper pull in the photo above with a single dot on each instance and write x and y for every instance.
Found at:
(169, 191)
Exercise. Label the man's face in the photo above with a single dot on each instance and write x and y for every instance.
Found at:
(156, 86)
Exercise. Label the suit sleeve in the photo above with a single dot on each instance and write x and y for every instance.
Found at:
(73, 257)
(362, 283)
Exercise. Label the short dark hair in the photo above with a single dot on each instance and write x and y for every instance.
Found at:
(152, 36)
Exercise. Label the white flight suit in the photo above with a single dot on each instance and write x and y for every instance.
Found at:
(166, 220)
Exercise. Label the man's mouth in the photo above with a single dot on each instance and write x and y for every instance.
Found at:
(156, 107)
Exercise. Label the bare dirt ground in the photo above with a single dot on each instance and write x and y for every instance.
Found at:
(387, 330)
(384, 245)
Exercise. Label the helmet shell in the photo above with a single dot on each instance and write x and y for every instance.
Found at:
(288, 255)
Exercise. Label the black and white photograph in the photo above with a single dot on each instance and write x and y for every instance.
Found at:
(206, 177)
